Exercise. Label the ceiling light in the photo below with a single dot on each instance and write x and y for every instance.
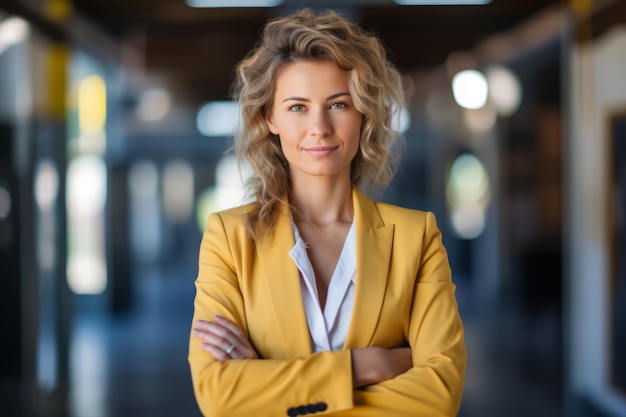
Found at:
(505, 90)
(442, 2)
(470, 89)
(233, 3)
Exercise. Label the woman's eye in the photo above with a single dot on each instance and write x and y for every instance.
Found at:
(338, 106)
(296, 107)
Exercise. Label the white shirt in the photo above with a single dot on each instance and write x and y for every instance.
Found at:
(328, 328)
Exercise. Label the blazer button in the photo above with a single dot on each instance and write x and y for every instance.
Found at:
(311, 408)
(302, 410)
(292, 412)
(321, 406)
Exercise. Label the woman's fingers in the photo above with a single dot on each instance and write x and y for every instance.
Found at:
(232, 327)
(217, 340)
(224, 340)
(218, 353)
(403, 358)
(244, 347)
(376, 364)
(221, 341)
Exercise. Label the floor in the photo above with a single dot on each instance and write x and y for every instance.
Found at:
(136, 365)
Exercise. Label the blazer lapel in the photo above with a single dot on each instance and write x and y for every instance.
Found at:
(282, 281)
(374, 241)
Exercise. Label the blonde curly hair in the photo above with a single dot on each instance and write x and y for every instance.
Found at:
(374, 84)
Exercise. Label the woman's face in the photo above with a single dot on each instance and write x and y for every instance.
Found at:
(315, 118)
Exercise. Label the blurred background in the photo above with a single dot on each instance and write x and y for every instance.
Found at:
(115, 129)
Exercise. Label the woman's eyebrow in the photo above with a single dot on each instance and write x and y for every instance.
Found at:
(334, 96)
(296, 99)
(331, 97)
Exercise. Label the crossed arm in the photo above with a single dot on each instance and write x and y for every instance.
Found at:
(225, 341)
(418, 381)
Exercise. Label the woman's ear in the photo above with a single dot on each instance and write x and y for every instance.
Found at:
(269, 119)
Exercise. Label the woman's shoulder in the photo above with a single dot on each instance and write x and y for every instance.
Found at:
(236, 211)
(410, 224)
(390, 213)
(408, 219)
(395, 213)
(233, 217)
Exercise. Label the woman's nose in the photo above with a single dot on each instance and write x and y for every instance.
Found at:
(321, 125)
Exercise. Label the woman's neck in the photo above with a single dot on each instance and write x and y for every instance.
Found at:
(322, 201)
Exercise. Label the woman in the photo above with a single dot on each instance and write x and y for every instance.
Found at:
(314, 298)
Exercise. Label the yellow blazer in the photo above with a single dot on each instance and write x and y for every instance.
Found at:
(404, 297)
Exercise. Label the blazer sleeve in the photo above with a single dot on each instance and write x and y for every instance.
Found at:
(320, 382)
(434, 386)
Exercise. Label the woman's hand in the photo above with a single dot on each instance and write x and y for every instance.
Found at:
(224, 340)
(375, 364)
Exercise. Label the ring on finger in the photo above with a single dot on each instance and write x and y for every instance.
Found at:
(230, 349)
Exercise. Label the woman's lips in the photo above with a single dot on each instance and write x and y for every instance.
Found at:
(321, 151)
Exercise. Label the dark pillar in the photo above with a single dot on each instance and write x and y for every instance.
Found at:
(120, 282)
(10, 295)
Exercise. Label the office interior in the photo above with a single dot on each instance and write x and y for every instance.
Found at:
(116, 126)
